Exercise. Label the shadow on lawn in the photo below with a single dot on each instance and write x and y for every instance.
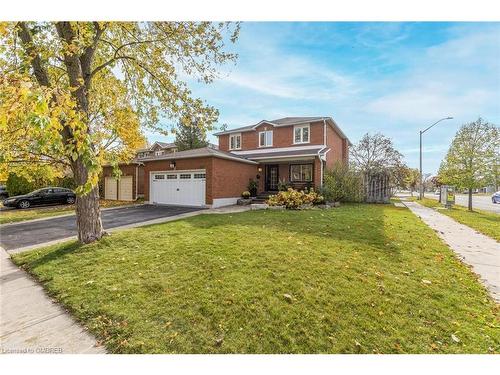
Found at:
(51, 256)
(358, 223)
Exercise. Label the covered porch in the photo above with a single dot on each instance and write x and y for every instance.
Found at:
(298, 167)
(298, 174)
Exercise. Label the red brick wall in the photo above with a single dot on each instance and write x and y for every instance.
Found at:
(140, 178)
(317, 173)
(127, 170)
(224, 142)
(337, 147)
(194, 163)
(282, 137)
(231, 178)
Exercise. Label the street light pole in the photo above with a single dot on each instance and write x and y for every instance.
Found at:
(421, 187)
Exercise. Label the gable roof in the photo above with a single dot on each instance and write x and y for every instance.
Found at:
(288, 121)
(162, 145)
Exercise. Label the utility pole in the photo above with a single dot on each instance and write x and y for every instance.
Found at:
(421, 187)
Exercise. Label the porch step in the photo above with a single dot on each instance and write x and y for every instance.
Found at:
(264, 195)
(258, 200)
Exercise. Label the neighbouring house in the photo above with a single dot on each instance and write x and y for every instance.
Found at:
(291, 151)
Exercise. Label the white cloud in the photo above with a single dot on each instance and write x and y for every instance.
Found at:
(428, 102)
(460, 77)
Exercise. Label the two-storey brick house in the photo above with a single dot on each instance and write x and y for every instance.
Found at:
(293, 150)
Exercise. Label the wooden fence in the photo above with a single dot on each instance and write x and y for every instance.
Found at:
(377, 187)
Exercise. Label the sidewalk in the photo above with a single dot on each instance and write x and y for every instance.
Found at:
(31, 323)
(479, 251)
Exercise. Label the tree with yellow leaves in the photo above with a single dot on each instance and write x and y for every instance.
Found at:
(81, 93)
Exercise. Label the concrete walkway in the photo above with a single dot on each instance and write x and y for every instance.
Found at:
(479, 251)
(31, 323)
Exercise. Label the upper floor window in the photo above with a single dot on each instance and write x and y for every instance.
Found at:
(266, 138)
(158, 153)
(235, 141)
(301, 133)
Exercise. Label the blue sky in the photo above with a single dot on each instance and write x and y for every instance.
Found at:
(393, 78)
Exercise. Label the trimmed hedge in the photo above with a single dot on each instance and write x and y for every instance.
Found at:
(19, 185)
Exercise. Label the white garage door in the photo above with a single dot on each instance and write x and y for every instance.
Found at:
(185, 188)
(125, 188)
(110, 188)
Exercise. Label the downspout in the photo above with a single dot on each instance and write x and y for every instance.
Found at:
(321, 180)
(324, 143)
(136, 180)
(321, 168)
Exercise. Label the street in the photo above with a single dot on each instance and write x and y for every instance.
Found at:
(481, 202)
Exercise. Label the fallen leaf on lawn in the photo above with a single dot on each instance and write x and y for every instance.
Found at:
(288, 297)
(358, 345)
(455, 338)
(426, 281)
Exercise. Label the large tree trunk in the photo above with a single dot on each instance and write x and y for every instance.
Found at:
(470, 199)
(88, 214)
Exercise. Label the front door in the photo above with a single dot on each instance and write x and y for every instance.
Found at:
(272, 178)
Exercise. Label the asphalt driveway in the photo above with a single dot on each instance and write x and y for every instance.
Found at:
(14, 236)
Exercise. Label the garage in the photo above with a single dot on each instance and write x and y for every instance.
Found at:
(125, 188)
(184, 188)
(110, 188)
(121, 189)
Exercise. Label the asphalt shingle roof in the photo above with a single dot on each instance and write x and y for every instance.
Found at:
(197, 152)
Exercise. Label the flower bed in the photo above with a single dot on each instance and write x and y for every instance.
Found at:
(295, 200)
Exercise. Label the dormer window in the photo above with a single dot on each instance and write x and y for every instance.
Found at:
(235, 141)
(158, 153)
(266, 138)
(301, 134)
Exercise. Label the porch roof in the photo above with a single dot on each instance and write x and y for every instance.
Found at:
(310, 152)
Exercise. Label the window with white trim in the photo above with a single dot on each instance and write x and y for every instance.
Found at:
(301, 133)
(199, 175)
(301, 172)
(171, 177)
(235, 141)
(159, 176)
(158, 153)
(185, 176)
(266, 138)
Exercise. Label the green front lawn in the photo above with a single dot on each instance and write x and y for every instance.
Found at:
(16, 215)
(485, 222)
(356, 279)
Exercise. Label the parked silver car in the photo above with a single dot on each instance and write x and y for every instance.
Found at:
(495, 198)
